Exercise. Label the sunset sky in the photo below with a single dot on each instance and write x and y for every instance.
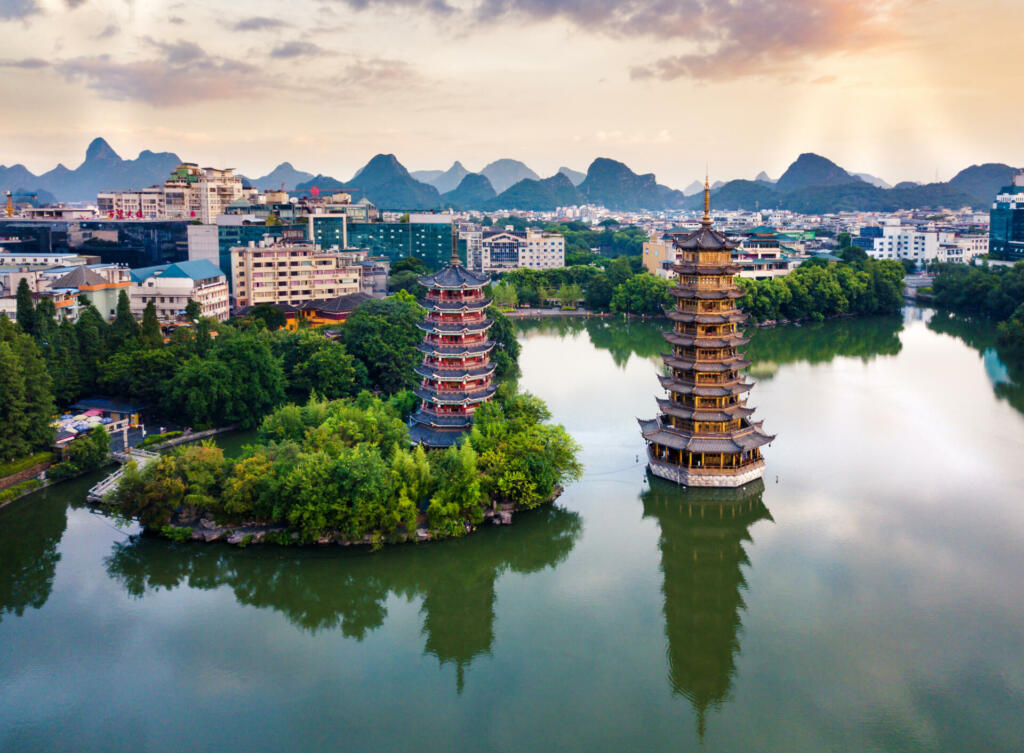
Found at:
(903, 89)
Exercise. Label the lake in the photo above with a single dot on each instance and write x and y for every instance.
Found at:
(866, 597)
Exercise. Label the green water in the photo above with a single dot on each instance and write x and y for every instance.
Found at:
(867, 598)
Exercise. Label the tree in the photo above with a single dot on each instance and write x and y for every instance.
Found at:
(37, 406)
(13, 420)
(458, 499)
(505, 295)
(599, 292)
(407, 280)
(618, 271)
(383, 335)
(271, 316)
(150, 334)
(62, 362)
(125, 330)
(410, 264)
(24, 309)
(641, 294)
(192, 310)
(853, 254)
(91, 334)
(256, 379)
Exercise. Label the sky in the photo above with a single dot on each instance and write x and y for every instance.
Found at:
(901, 89)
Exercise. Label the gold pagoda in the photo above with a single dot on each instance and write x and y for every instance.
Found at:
(703, 435)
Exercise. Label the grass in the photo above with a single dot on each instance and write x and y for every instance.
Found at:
(20, 464)
(18, 489)
(153, 439)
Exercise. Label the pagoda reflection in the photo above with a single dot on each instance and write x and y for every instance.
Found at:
(703, 533)
(328, 589)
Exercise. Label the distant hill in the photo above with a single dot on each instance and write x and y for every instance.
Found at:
(102, 170)
(386, 183)
(574, 176)
(449, 180)
(694, 188)
(504, 173)
(762, 177)
(283, 173)
(472, 193)
(813, 170)
(738, 194)
(322, 182)
(984, 181)
(539, 195)
(612, 184)
(867, 178)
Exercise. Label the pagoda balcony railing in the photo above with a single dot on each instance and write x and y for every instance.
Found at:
(687, 306)
(706, 354)
(724, 463)
(453, 341)
(724, 378)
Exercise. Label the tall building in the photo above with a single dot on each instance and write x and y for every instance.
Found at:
(1006, 222)
(703, 435)
(171, 286)
(292, 270)
(504, 250)
(429, 241)
(907, 242)
(456, 371)
(192, 192)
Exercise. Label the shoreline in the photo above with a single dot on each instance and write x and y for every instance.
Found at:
(206, 530)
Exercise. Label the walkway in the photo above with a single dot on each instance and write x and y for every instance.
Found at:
(141, 458)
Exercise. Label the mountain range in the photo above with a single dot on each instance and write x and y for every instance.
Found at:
(811, 184)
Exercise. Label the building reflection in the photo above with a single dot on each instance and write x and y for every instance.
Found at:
(328, 589)
(30, 534)
(703, 533)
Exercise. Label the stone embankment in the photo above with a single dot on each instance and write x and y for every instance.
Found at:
(208, 531)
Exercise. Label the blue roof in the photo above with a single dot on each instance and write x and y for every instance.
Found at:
(195, 269)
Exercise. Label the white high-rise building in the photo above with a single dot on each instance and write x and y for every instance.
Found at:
(907, 242)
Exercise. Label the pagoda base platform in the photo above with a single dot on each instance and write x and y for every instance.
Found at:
(706, 477)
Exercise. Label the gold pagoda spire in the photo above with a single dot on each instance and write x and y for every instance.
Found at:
(455, 244)
(707, 199)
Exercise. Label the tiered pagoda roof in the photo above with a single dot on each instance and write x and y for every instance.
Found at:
(456, 371)
(703, 435)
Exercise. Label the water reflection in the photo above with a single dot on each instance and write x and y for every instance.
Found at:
(703, 532)
(32, 530)
(332, 590)
(819, 342)
(862, 337)
(1006, 374)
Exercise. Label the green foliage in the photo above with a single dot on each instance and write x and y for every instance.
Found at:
(641, 294)
(271, 316)
(506, 353)
(150, 333)
(383, 335)
(13, 492)
(26, 394)
(410, 264)
(84, 454)
(995, 292)
(408, 281)
(343, 469)
(21, 464)
(124, 331)
(1011, 335)
(154, 439)
(192, 310)
(176, 533)
(311, 363)
(24, 309)
(820, 291)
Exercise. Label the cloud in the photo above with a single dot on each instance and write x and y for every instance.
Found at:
(111, 30)
(258, 23)
(176, 20)
(296, 49)
(11, 10)
(182, 74)
(378, 73)
(713, 39)
(72, 4)
(25, 63)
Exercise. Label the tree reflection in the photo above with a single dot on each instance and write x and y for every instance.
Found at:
(30, 532)
(819, 342)
(325, 589)
(769, 347)
(1006, 374)
(703, 532)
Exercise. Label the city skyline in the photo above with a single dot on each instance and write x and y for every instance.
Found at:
(326, 85)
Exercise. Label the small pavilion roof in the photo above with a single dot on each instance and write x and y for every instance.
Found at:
(454, 276)
(742, 440)
(704, 238)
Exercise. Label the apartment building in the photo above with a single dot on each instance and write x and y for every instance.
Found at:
(171, 286)
(192, 192)
(659, 255)
(503, 250)
(908, 242)
(292, 270)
